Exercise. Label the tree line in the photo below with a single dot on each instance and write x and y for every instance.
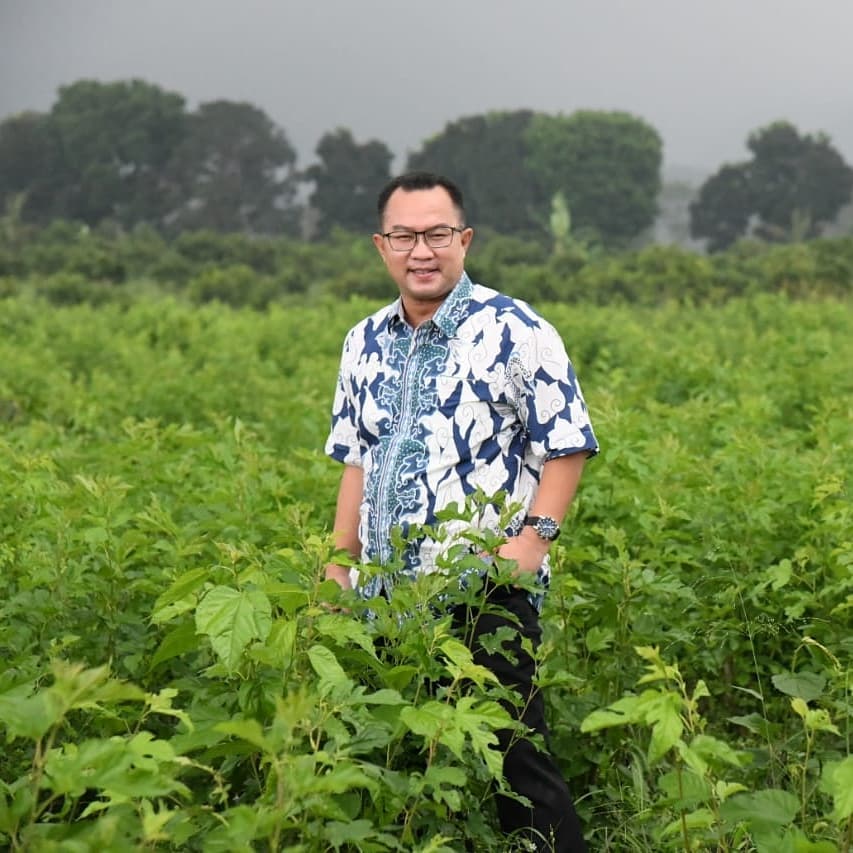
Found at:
(129, 153)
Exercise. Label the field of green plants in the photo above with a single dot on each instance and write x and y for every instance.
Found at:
(174, 673)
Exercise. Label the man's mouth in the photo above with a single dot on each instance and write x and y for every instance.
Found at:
(423, 272)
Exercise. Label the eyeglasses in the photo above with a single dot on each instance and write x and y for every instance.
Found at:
(436, 238)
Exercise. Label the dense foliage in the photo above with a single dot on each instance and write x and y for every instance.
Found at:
(792, 186)
(606, 164)
(129, 154)
(173, 676)
(69, 263)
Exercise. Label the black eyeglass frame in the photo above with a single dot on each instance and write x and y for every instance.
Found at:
(388, 234)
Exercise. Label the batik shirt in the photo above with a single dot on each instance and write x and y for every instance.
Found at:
(479, 396)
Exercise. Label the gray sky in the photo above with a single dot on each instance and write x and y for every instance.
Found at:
(703, 72)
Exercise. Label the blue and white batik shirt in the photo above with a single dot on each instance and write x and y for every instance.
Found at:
(479, 396)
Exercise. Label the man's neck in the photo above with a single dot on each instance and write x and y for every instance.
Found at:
(417, 313)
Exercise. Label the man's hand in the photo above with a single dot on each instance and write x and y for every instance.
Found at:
(339, 574)
(528, 549)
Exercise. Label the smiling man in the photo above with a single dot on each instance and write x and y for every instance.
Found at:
(451, 388)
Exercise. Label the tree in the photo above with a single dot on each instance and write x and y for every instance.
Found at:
(793, 186)
(115, 141)
(347, 180)
(486, 154)
(606, 164)
(234, 171)
(796, 176)
(29, 158)
(721, 211)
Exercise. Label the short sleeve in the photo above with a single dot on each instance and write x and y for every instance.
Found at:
(343, 442)
(548, 395)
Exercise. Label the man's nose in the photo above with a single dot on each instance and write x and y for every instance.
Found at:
(421, 249)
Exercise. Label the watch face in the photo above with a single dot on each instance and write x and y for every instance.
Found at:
(547, 528)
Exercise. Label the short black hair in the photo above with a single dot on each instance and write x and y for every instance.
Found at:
(420, 181)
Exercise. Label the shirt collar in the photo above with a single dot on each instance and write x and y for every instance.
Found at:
(450, 313)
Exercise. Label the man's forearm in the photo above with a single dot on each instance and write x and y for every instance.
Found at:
(558, 484)
(350, 494)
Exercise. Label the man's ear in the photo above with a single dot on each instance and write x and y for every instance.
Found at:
(378, 241)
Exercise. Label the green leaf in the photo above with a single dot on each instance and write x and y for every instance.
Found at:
(815, 719)
(345, 631)
(333, 680)
(599, 638)
(460, 663)
(91, 764)
(232, 619)
(339, 834)
(684, 789)
(178, 641)
(713, 749)
(780, 574)
(29, 717)
(805, 685)
(837, 781)
(180, 596)
(247, 730)
(384, 696)
(288, 596)
(161, 703)
(399, 677)
(623, 712)
(667, 725)
(755, 723)
(427, 720)
(762, 809)
(697, 819)
(438, 775)
(280, 645)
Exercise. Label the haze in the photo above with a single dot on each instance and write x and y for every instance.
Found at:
(704, 73)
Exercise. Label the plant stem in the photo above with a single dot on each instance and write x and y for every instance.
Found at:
(683, 817)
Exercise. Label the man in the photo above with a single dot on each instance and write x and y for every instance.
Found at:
(452, 388)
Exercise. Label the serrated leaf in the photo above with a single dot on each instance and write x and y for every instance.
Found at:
(762, 810)
(438, 775)
(161, 703)
(345, 630)
(428, 719)
(29, 717)
(599, 638)
(232, 619)
(667, 725)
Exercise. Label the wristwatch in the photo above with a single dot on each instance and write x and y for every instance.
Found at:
(544, 525)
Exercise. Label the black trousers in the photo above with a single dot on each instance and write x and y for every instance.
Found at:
(550, 822)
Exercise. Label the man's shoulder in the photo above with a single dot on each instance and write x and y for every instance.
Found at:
(504, 308)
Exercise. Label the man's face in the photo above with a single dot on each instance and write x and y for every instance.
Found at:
(424, 275)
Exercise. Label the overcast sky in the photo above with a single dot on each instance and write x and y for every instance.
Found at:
(703, 72)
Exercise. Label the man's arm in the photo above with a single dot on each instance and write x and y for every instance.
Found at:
(350, 495)
(557, 486)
